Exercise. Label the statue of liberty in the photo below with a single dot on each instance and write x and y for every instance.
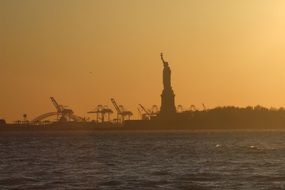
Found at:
(168, 108)
(166, 73)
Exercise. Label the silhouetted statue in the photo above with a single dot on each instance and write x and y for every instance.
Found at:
(168, 108)
(166, 74)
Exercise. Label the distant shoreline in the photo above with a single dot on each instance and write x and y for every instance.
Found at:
(222, 118)
(12, 128)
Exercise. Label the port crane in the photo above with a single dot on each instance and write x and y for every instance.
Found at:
(61, 110)
(140, 112)
(62, 113)
(97, 111)
(180, 108)
(147, 113)
(101, 112)
(193, 108)
(154, 110)
(121, 112)
(106, 110)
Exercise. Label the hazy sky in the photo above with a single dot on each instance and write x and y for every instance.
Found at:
(84, 52)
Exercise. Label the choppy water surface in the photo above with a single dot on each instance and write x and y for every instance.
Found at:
(148, 160)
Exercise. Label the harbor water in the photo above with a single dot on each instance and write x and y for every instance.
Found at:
(142, 160)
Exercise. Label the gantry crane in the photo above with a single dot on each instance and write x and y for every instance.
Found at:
(101, 112)
(121, 112)
(58, 107)
(193, 108)
(62, 114)
(106, 110)
(154, 110)
(179, 108)
(147, 113)
(116, 107)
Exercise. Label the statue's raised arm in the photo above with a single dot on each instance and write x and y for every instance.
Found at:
(161, 55)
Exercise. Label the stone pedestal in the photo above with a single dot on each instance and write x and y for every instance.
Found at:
(168, 108)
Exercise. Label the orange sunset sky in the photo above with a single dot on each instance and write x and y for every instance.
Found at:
(84, 52)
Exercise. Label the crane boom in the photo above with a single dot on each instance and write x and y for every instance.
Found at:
(116, 106)
(139, 111)
(143, 108)
(56, 105)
